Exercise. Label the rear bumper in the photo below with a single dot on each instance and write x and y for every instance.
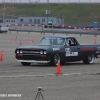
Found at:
(34, 61)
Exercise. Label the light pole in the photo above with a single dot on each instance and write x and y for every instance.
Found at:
(29, 1)
(79, 1)
(68, 1)
(89, 1)
(47, 13)
(48, 1)
(63, 19)
(58, 1)
(4, 13)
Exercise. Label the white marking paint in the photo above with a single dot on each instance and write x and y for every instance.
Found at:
(16, 76)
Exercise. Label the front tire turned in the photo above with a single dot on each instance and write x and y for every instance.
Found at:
(25, 63)
(55, 60)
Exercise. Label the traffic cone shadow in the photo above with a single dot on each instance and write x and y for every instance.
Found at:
(58, 70)
(2, 52)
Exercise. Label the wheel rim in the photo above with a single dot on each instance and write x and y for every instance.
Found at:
(56, 59)
(91, 59)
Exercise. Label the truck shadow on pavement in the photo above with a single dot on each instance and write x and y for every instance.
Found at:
(68, 64)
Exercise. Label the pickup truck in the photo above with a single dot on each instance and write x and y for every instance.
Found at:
(55, 49)
(3, 29)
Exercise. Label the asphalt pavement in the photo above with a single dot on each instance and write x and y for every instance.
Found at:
(77, 81)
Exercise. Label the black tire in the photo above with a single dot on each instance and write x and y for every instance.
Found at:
(55, 60)
(89, 59)
(25, 63)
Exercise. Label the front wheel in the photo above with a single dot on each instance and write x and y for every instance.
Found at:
(89, 59)
(55, 60)
(25, 63)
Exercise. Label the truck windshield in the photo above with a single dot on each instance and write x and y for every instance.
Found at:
(52, 41)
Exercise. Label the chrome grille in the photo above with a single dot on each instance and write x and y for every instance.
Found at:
(30, 52)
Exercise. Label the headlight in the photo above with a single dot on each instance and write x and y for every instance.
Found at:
(41, 52)
(45, 52)
(21, 51)
(17, 51)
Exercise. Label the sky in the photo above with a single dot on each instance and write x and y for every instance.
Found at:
(51, 1)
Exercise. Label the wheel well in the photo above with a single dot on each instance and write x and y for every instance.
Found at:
(89, 53)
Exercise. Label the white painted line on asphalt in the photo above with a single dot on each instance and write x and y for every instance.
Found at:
(38, 75)
(73, 74)
(7, 76)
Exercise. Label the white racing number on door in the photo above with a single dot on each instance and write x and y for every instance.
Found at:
(69, 53)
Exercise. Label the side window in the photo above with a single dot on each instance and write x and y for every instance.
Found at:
(34, 21)
(43, 20)
(74, 42)
(61, 41)
(21, 20)
(30, 20)
(71, 42)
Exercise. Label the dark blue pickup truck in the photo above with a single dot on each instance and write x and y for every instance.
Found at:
(54, 49)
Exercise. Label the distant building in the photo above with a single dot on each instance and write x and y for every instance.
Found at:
(11, 21)
(34, 20)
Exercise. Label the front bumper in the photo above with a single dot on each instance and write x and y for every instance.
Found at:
(34, 61)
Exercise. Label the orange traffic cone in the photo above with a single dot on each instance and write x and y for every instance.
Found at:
(58, 70)
(95, 42)
(10, 41)
(1, 59)
(20, 42)
(32, 40)
(26, 41)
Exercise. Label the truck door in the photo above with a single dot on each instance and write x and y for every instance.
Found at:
(71, 50)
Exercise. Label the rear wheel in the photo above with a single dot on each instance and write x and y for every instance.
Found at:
(89, 59)
(25, 63)
(55, 60)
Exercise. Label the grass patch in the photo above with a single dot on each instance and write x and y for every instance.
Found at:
(74, 14)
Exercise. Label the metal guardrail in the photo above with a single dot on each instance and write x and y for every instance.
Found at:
(41, 29)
